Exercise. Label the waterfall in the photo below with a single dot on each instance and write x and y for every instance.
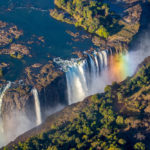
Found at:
(83, 75)
(1, 100)
(104, 54)
(3, 93)
(101, 60)
(37, 106)
(76, 82)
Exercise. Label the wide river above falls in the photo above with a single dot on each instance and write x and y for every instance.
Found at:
(32, 17)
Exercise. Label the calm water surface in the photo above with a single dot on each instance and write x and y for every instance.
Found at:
(32, 16)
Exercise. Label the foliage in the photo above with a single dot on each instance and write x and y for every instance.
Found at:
(17, 56)
(106, 121)
(93, 15)
(122, 141)
(139, 146)
(1, 72)
(102, 32)
(119, 120)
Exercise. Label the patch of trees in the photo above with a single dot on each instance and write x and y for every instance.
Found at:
(93, 15)
(100, 125)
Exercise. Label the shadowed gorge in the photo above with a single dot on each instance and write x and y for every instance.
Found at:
(72, 74)
(102, 118)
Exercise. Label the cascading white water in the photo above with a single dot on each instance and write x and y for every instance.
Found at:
(76, 82)
(104, 54)
(37, 106)
(1, 100)
(3, 93)
(83, 75)
(101, 60)
(97, 63)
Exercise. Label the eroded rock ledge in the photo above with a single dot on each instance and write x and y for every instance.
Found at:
(9, 34)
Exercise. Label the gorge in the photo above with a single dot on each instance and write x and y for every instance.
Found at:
(46, 76)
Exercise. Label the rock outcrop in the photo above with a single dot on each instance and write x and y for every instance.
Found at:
(8, 33)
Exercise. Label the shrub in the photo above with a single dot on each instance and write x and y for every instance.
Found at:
(102, 32)
(122, 141)
(107, 88)
(139, 146)
(120, 96)
(119, 120)
(1, 72)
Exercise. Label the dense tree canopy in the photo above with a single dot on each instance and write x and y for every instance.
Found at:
(93, 15)
(110, 121)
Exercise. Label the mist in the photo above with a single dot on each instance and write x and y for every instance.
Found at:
(15, 125)
(126, 64)
(53, 110)
(120, 68)
(139, 52)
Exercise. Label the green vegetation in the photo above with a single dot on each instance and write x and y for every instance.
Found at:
(93, 15)
(95, 127)
(139, 146)
(115, 120)
(1, 72)
(11, 40)
(17, 56)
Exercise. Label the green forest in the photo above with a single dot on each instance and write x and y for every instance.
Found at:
(114, 120)
(93, 15)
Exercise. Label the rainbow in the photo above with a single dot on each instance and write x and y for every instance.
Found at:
(118, 67)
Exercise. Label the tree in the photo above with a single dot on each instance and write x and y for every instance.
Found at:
(52, 148)
(120, 96)
(122, 141)
(107, 88)
(119, 120)
(102, 32)
(139, 146)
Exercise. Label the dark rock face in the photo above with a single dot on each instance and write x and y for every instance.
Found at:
(15, 98)
(53, 95)
(67, 114)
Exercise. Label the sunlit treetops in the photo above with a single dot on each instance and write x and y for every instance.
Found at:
(93, 16)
